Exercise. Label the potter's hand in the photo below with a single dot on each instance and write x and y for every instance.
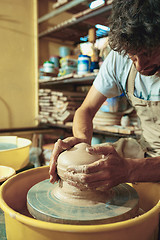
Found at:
(59, 147)
(107, 172)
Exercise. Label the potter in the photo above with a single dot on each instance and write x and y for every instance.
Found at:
(131, 68)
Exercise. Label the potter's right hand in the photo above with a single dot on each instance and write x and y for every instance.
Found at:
(59, 147)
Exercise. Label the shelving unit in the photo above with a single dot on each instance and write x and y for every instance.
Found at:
(83, 18)
(115, 131)
(80, 22)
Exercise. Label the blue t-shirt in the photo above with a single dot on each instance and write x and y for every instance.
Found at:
(112, 77)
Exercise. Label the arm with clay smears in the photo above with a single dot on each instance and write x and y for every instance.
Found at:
(113, 169)
(82, 124)
(82, 127)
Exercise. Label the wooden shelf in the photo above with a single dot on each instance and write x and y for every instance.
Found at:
(83, 18)
(105, 133)
(117, 131)
(60, 8)
(79, 24)
(66, 79)
(49, 127)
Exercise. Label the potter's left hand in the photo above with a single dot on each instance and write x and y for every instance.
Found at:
(107, 172)
(59, 147)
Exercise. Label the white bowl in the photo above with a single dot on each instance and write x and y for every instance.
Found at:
(6, 172)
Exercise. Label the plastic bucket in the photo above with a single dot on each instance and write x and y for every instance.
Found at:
(20, 224)
(17, 153)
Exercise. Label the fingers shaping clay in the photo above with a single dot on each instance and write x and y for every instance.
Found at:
(81, 195)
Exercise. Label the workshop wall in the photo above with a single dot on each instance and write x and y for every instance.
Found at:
(18, 63)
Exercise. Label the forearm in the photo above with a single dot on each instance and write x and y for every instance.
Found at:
(144, 170)
(82, 125)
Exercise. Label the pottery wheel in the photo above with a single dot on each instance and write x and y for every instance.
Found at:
(44, 205)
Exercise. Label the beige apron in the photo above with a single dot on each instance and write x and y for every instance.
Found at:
(149, 115)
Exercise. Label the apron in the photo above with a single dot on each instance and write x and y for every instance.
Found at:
(149, 115)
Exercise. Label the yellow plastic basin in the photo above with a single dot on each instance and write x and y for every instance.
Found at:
(20, 225)
(16, 157)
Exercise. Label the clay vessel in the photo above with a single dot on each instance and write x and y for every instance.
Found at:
(80, 195)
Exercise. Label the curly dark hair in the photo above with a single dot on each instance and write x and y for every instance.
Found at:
(135, 26)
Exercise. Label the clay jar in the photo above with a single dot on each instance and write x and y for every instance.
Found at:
(80, 195)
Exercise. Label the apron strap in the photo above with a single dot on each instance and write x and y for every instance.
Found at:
(131, 79)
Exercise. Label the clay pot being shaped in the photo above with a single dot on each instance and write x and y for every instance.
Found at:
(80, 195)
(63, 203)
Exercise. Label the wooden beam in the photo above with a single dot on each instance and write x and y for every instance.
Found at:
(60, 10)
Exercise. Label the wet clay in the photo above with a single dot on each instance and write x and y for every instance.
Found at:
(80, 195)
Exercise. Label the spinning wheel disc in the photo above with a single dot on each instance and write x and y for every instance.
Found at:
(43, 205)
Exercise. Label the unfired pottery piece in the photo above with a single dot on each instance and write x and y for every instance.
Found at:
(82, 195)
(62, 203)
(75, 156)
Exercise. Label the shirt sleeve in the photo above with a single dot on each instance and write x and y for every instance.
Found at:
(107, 81)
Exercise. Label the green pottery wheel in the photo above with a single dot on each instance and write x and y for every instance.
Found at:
(44, 205)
